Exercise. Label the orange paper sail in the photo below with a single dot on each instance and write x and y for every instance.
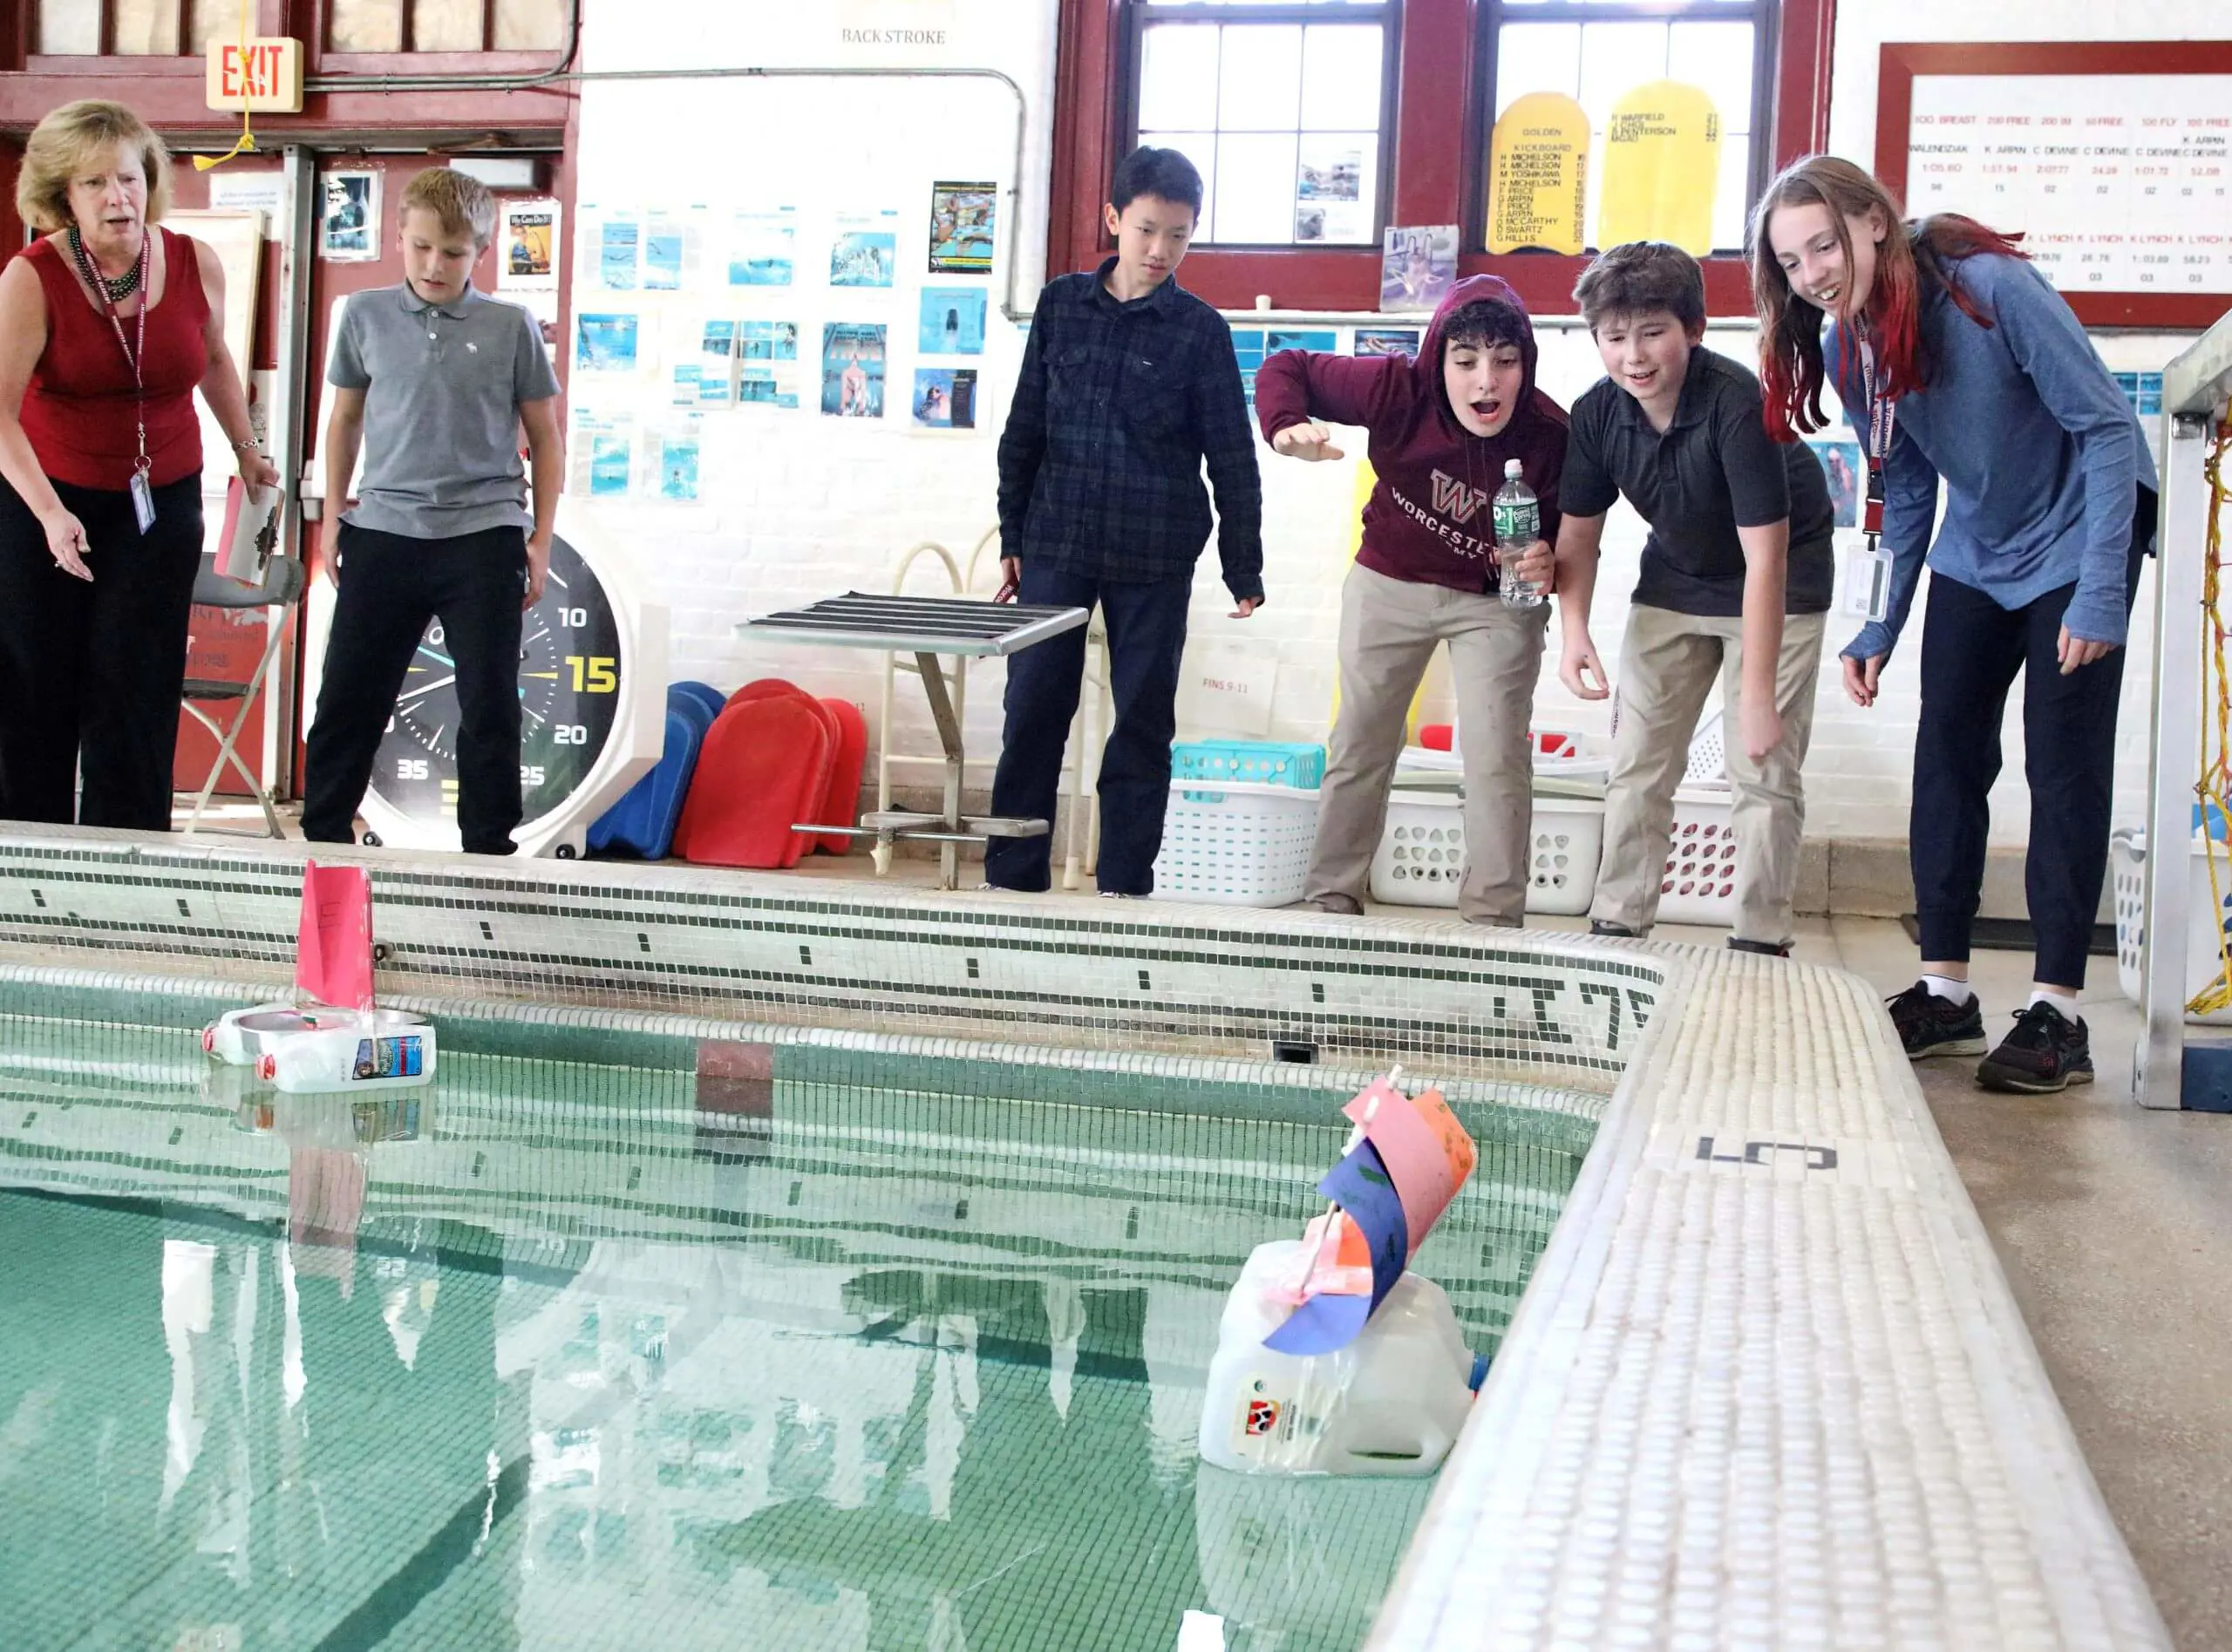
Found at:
(1426, 1151)
(333, 949)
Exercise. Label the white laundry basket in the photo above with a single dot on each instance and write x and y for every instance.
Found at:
(1420, 861)
(2127, 869)
(1701, 882)
(1236, 843)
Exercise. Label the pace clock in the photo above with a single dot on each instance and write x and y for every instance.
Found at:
(592, 659)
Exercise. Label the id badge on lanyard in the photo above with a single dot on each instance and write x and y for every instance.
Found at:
(143, 491)
(1868, 571)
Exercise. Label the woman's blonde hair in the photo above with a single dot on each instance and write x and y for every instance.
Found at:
(58, 150)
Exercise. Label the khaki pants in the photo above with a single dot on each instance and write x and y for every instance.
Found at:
(1388, 631)
(1667, 668)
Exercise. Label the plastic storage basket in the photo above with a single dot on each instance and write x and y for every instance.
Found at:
(1420, 861)
(1242, 845)
(1268, 762)
(2127, 865)
(1701, 882)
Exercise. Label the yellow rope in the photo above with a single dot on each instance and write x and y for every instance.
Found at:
(245, 144)
(2213, 788)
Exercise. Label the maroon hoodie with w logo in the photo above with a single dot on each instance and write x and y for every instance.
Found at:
(1428, 519)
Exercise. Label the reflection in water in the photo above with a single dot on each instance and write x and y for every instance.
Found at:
(558, 1351)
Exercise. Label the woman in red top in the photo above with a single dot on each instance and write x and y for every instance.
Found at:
(107, 328)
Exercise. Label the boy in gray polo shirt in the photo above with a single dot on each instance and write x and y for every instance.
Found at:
(435, 381)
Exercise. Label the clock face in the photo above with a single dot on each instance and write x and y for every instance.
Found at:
(570, 666)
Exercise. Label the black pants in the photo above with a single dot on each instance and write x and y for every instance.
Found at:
(1971, 650)
(1147, 635)
(90, 674)
(390, 586)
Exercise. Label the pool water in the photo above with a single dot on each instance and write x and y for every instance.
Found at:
(548, 1356)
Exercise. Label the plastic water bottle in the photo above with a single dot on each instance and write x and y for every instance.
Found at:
(1518, 524)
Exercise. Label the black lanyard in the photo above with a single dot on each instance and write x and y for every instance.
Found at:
(1880, 417)
(132, 357)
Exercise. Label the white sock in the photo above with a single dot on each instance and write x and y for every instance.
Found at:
(1947, 988)
(2065, 1001)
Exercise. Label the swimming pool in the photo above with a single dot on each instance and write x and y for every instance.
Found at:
(547, 1353)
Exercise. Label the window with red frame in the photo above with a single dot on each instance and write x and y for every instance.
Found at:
(1596, 51)
(1284, 107)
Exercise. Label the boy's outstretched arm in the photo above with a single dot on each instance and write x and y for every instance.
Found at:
(1766, 566)
(546, 458)
(1581, 539)
(1295, 387)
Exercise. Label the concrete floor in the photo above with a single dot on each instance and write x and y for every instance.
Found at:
(2114, 1225)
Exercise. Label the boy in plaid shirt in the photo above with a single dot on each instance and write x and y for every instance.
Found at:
(1129, 385)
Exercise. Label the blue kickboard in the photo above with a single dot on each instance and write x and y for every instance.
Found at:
(642, 823)
(705, 694)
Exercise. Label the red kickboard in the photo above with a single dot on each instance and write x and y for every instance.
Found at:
(813, 787)
(760, 759)
(840, 806)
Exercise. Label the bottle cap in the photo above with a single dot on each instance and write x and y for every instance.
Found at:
(1511, 467)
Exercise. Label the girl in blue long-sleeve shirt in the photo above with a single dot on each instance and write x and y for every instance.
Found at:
(1957, 362)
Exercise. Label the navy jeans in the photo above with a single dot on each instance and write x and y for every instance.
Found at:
(1971, 650)
(1147, 633)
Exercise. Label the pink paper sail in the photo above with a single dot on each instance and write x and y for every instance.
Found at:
(333, 948)
(1423, 1146)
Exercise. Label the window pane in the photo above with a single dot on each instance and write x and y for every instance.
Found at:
(146, 28)
(365, 25)
(1260, 79)
(69, 26)
(1337, 189)
(446, 25)
(1536, 57)
(1177, 75)
(530, 25)
(1340, 77)
(208, 20)
(1716, 57)
(1201, 149)
(1615, 58)
(1256, 187)
(1732, 203)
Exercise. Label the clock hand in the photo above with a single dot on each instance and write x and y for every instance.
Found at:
(443, 658)
(425, 687)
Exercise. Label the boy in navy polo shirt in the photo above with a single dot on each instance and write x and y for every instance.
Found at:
(1736, 579)
(1129, 387)
(435, 381)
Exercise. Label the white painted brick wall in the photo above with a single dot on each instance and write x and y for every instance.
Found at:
(797, 505)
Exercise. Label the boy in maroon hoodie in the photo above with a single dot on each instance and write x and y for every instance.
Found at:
(1440, 429)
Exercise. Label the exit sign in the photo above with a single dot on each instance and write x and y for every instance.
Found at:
(264, 74)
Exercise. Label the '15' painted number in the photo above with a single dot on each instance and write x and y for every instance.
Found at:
(595, 675)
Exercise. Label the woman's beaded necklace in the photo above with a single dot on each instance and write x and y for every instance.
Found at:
(119, 288)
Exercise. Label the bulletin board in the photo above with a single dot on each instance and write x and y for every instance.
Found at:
(2113, 157)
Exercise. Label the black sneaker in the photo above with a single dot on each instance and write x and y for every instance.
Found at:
(2047, 1052)
(1765, 948)
(1611, 931)
(1930, 1025)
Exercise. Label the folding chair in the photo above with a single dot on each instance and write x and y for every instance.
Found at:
(280, 588)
